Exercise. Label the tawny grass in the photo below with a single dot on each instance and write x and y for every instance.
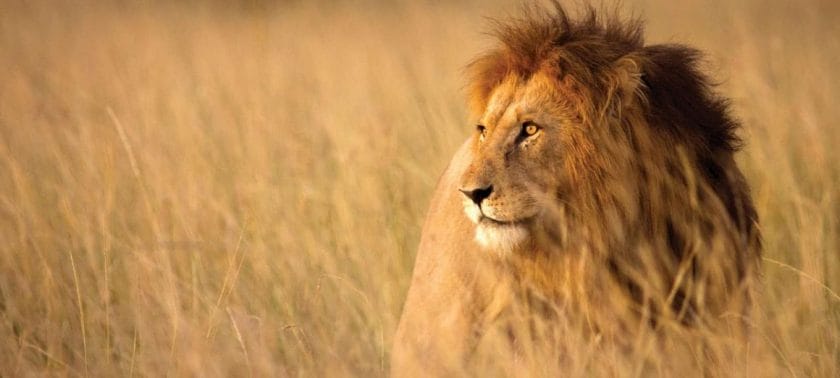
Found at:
(207, 189)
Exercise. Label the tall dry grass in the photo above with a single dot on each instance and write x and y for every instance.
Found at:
(207, 189)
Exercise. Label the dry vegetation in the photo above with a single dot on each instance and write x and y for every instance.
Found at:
(201, 189)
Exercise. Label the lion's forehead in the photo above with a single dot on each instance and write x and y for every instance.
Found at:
(514, 97)
(500, 101)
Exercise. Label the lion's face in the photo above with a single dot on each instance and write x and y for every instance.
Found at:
(517, 158)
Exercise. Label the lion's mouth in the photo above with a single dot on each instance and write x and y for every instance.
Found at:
(481, 216)
(500, 236)
(485, 220)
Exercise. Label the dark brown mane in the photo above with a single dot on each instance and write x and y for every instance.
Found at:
(678, 97)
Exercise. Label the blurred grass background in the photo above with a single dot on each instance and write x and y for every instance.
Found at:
(215, 188)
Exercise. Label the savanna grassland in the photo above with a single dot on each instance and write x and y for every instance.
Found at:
(229, 190)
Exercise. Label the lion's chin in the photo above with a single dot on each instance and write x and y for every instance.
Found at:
(502, 238)
(497, 236)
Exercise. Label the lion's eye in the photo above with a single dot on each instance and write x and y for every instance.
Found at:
(530, 128)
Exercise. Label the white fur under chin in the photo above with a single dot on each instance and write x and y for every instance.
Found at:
(503, 239)
(500, 238)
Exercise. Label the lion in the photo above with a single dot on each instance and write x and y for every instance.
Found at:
(598, 200)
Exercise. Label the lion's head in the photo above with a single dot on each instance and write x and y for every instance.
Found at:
(515, 150)
(580, 120)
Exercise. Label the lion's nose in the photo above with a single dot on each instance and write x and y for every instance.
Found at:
(479, 194)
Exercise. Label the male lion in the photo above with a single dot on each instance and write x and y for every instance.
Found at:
(597, 202)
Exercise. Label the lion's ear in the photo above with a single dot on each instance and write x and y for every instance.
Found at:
(625, 86)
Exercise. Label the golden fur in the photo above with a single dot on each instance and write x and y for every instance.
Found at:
(599, 190)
